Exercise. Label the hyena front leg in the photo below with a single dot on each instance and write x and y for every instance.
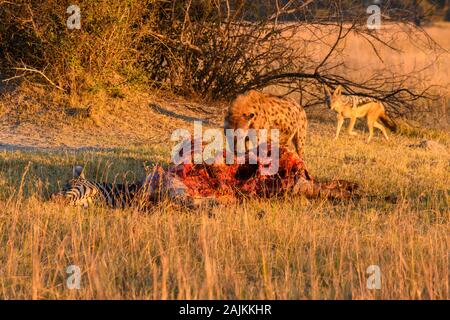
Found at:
(351, 126)
(340, 122)
(299, 142)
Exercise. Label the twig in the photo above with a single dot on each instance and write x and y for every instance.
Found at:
(38, 72)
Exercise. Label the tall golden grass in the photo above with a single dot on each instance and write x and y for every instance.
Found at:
(289, 248)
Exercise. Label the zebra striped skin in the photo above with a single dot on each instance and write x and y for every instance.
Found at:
(82, 192)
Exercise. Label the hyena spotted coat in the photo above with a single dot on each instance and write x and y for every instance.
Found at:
(258, 110)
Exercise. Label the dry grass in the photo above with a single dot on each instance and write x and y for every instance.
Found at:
(297, 249)
(281, 249)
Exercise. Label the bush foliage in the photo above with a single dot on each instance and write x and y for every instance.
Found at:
(35, 37)
(203, 47)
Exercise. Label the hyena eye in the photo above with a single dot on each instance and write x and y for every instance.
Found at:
(248, 116)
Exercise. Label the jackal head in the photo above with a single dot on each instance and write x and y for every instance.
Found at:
(333, 100)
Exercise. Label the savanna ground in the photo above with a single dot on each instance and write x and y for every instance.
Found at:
(288, 248)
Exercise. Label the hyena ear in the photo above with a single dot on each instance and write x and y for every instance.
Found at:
(337, 91)
(78, 172)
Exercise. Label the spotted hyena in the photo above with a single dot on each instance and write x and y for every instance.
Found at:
(258, 110)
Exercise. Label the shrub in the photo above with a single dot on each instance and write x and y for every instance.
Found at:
(215, 49)
(36, 42)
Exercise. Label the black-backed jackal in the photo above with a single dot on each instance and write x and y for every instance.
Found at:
(353, 107)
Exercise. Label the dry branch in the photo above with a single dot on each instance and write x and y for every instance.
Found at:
(32, 70)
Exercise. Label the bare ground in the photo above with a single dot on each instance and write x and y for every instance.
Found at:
(150, 121)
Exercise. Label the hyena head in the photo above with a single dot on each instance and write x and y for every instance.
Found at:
(240, 114)
(334, 100)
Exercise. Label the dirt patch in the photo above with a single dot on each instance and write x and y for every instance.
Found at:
(138, 119)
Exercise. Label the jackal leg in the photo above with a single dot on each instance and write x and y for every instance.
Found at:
(380, 126)
(340, 122)
(351, 125)
(370, 124)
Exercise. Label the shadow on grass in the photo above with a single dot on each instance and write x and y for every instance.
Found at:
(42, 173)
(26, 148)
(172, 114)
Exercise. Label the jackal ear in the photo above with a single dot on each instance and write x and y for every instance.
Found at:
(78, 172)
(326, 90)
(337, 91)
